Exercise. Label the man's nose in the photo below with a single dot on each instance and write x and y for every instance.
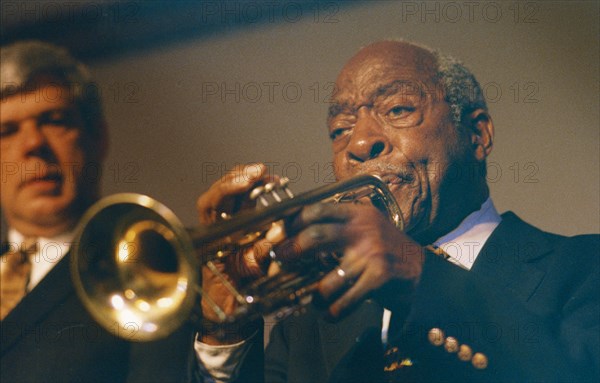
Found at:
(368, 140)
(33, 138)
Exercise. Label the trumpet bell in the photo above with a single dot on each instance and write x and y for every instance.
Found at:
(132, 267)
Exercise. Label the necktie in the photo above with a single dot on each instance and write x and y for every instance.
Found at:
(15, 268)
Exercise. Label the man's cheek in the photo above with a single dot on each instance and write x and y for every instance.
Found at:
(432, 172)
(339, 170)
(73, 167)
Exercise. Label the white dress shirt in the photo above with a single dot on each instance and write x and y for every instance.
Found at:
(462, 244)
(49, 252)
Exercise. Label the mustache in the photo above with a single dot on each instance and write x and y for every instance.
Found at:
(40, 172)
(390, 173)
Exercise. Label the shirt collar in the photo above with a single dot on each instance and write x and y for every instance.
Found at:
(49, 252)
(63, 239)
(464, 243)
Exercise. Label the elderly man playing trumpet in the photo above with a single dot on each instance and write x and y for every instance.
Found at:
(473, 295)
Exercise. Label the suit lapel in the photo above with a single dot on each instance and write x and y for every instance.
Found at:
(508, 256)
(45, 297)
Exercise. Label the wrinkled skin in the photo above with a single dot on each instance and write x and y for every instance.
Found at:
(389, 118)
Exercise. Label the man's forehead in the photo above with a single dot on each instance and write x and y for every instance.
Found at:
(31, 102)
(382, 64)
(386, 54)
(401, 89)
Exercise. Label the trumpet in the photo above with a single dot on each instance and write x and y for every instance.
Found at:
(136, 268)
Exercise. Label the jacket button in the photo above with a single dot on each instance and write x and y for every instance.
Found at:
(480, 361)
(436, 336)
(465, 353)
(451, 344)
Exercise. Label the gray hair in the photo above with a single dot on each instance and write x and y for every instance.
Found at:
(461, 89)
(25, 62)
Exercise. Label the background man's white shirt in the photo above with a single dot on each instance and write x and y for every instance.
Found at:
(49, 252)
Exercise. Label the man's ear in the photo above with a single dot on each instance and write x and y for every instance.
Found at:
(481, 130)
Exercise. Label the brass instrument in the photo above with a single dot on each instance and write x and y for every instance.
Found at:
(136, 267)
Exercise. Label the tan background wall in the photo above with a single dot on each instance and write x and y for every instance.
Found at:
(175, 127)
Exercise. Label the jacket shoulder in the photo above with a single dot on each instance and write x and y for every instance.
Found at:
(519, 230)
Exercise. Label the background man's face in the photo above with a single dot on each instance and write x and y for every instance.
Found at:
(389, 118)
(43, 158)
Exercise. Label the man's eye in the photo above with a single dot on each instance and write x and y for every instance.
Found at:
(55, 118)
(64, 118)
(399, 112)
(8, 128)
(339, 132)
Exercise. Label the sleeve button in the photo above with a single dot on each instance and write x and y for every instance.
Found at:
(451, 344)
(465, 353)
(479, 361)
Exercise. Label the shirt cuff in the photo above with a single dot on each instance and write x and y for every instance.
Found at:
(221, 363)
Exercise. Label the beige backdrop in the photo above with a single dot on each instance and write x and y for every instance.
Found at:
(183, 114)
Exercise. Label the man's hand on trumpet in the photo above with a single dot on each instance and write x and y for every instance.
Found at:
(226, 197)
(374, 254)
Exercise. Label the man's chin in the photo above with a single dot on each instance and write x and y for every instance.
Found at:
(47, 207)
(416, 226)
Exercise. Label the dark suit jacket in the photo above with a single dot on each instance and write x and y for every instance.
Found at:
(49, 337)
(530, 304)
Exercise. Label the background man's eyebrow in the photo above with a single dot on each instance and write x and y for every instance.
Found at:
(56, 110)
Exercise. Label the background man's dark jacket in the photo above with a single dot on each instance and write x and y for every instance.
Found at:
(49, 337)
